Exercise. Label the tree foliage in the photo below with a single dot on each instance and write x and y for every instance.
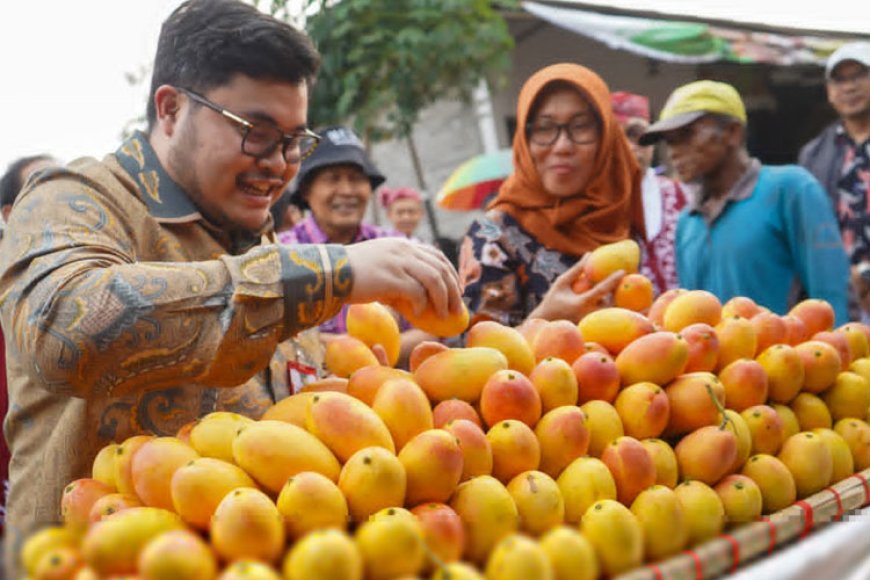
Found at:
(384, 61)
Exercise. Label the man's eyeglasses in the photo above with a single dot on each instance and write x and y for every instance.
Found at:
(260, 140)
(546, 133)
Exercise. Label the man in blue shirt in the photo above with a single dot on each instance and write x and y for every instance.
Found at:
(748, 229)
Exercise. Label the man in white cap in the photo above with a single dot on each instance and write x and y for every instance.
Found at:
(840, 158)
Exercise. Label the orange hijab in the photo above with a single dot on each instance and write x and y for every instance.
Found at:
(608, 210)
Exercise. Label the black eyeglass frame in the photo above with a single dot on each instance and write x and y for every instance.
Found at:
(288, 142)
(595, 134)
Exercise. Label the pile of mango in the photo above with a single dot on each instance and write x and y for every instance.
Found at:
(552, 450)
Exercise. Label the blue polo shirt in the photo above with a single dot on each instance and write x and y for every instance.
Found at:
(758, 246)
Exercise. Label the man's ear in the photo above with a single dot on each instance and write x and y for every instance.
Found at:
(167, 103)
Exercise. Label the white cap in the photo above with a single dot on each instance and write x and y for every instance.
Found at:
(857, 51)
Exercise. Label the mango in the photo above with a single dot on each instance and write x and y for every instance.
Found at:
(509, 394)
(291, 409)
(849, 397)
(272, 451)
(692, 307)
(856, 433)
(515, 449)
(404, 409)
(817, 315)
(634, 292)
(664, 460)
(703, 347)
(112, 546)
(609, 258)
(517, 557)
(457, 571)
(703, 509)
(570, 553)
(78, 498)
(604, 425)
(453, 409)
(631, 465)
(177, 554)
(371, 480)
(329, 384)
(373, 323)
(563, 437)
(706, 454)
(311, 501)
(741, 306)
(770, 329)
(810, 462)
(153, 467)
(324, 554)
(442, 530)
(103, 469)
(124, 462)
(249, 570)
(585, 481)
(459, 373)
(745, 383)
(488, 514)
(391, 548)
(795, 330)
(737, 425)
(597, 377)
(112, 504)
(433, 466)
(558, 339)
(555, 382)
(539, 502)
(198, 487)
(842, 462)
(59, 563)
(422, 351)
(741, 498)
(345, 355)
(213, 435)
(364, 383)
(790, 424)
(247, 525)
(766, 427)
(475, 447)
(595, 347)
(530, 327)
(656, 312)
(811, 412)
(46, 540)
(785, 372)
(614, 328)
(656, 358)
(859, 344)
(346, 425)
(643, 409)
(737, 340)
(615, 534)
(774, 479)
(839, 341)
(429, 321)
(694, 400)
(506, 340)
(663, 521)
(860, 366)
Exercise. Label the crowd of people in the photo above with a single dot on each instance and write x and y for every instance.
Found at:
(185, 272)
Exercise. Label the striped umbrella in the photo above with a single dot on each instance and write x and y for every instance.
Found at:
(472, 184)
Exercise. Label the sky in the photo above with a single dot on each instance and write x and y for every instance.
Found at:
(64, 62)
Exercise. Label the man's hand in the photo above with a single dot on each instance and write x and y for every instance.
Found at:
(561, 302)
(390, 270)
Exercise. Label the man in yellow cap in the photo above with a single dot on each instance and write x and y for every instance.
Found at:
(748, 229)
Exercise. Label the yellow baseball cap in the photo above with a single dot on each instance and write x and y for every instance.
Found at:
(690, 102)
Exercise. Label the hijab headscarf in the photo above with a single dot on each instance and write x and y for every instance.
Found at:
(609, 209)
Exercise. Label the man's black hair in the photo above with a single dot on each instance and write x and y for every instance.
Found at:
(11, 182)
(204, 43)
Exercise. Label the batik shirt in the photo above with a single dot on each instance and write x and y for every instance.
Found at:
(126, 312)
(853, 211)
(308, 232)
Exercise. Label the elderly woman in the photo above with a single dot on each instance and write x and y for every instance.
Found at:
(575, 186)
(404, 208)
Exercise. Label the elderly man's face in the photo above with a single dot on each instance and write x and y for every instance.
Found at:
(849, 89)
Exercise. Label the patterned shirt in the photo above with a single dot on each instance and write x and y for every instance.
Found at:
(661, 263)
(126, 312)
(308, 232)
(853, 211)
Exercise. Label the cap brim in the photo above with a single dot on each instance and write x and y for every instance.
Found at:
(657, 130)
(341, 155)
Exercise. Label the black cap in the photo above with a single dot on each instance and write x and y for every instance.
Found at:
(338, 146)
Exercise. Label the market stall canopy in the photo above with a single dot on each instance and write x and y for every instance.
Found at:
(692, 41)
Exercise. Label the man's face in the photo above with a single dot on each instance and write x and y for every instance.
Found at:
(849, 89)
(205, 157)
(699, 149)
(338, 196)
(405, 214)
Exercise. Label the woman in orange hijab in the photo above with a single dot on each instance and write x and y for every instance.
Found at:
(575, 186)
